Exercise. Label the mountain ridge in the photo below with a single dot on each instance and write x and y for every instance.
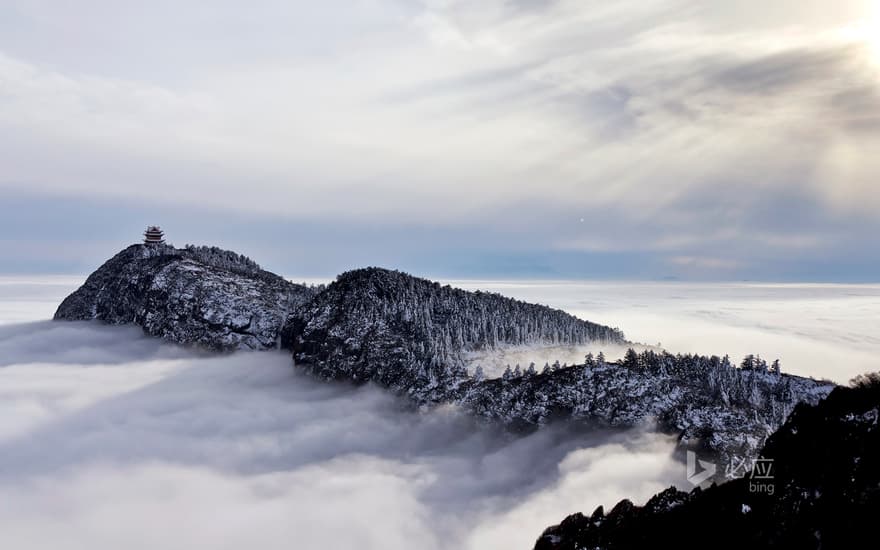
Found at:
(412, 336)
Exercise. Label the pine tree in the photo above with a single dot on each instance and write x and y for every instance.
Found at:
(760, 364)
(776, 368)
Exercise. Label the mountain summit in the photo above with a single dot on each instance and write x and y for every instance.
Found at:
(213, 298)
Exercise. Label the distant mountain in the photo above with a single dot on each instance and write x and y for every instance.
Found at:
(214, 298)
(818, 487)
(412, 336)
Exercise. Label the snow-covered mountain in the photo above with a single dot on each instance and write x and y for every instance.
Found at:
(415, 337)
(214, 298)
(818, 487)
(411, 335)
(719, 410)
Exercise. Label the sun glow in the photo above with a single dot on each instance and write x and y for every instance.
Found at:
(871, 32)
(865, 31)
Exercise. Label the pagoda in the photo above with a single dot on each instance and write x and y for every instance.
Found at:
(154, 235)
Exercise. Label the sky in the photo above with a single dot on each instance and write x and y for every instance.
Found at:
(557, 139)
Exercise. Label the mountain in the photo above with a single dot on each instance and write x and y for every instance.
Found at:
(414, 336)
(818, 486)
(215, 298)
(411, 334)
(722, 412)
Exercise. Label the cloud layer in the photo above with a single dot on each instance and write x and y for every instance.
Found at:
(158, 447)
(824, 331)
(109, 438)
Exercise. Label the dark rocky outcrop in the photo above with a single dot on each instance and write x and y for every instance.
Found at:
(216, 299)
(818, 487)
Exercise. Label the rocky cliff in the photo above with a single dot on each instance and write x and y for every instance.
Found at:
(196, 295)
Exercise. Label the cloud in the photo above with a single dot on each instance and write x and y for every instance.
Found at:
(820, 330)
(704, 263)
(76, 343)
(347, 504)
(143, 444)
(495, 117)
(109, 438)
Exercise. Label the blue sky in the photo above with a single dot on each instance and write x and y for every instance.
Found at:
(552, 139)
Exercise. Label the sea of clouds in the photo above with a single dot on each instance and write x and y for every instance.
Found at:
(110, 439)
(821, 330)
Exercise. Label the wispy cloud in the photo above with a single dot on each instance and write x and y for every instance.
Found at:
(497, 114)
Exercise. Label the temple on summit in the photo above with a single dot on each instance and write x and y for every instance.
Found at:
(154, 235)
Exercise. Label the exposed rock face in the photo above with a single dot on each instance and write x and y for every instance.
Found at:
(822, 490)
(216, 299)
